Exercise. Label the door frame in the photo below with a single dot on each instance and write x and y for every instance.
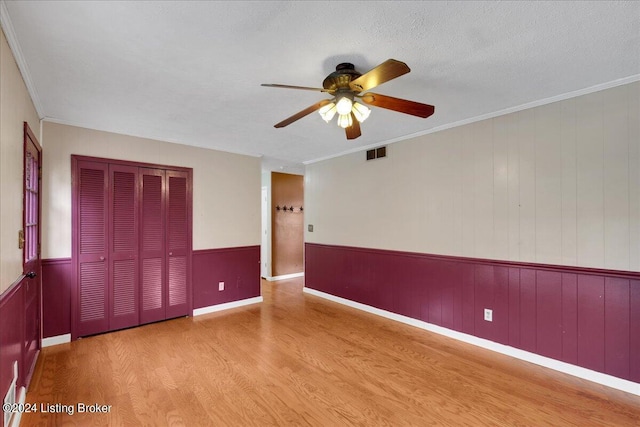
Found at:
(265, 244)
(75, 160)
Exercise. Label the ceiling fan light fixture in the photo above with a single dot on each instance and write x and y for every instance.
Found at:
(345, 86)
(345, 120)
(360, 111)
(344, 105)
(328, 111)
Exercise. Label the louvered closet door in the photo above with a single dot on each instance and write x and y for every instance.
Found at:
(123, 247)
(91, 219)
(178, 244)
(152, 246)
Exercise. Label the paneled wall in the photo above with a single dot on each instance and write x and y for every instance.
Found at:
(534, 214)
(556, 184)
(585, 317)
(12, 338)
(238, 268)
(57, 276)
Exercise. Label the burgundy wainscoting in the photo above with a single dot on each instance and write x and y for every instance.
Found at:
(586, 317)
(56, 296)
(549, 314)
(570, 318)
(634, 333)
(238, 268)
(12, 321)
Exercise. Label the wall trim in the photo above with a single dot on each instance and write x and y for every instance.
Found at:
(11, 290)
(56, 261)
(58, 339)
(574, 94)
(576, 371)
(494, 262)
(226, 306)
(284, 277)
(157, 138)
(12, 40)
(81, 158)
(225, 250)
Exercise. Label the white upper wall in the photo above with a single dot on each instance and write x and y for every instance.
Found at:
(16, 108)
(226, 187)
(555, 184)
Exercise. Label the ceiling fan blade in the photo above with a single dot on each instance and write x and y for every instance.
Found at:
(302, 113)
(397, 104)
(388, 70)
(317, 89)
(353, 131)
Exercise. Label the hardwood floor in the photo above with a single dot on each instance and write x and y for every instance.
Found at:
(300, 360)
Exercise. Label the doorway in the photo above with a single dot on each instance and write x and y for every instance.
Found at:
(287, 225)
(265, 247)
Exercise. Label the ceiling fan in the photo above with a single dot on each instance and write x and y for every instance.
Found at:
(346, 85)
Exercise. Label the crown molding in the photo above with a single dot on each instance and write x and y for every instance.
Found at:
(149, 137)
(12, 39)
(538, 103)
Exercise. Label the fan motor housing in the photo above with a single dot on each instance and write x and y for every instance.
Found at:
(341, 77)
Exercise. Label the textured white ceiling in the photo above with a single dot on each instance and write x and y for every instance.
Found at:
(190, 72)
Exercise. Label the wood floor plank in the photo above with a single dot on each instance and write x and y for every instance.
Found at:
(299, 360)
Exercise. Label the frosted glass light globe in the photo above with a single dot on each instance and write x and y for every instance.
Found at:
(345, 120)
(344, 105)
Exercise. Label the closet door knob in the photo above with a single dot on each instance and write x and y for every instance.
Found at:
(101, 258)
(170, 253)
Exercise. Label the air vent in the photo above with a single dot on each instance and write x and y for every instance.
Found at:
(377, 153)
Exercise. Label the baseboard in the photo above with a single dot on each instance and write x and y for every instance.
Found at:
(15, 419)
(226, 306)
(58, 339)
(576, 371)
(284, 277)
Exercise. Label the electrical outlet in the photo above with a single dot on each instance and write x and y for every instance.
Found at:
(221, 286)
(488, 315)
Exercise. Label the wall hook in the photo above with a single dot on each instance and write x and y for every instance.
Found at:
(277, 207)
